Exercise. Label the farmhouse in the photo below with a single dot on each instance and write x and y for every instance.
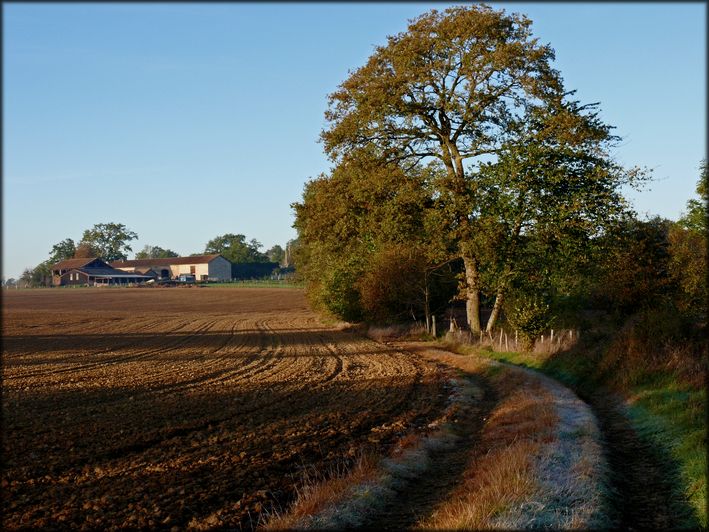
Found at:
(203, 267)
(92, 272)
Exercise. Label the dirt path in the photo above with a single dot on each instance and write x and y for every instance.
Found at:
(507, 424)
(644, 481)
(416, 500)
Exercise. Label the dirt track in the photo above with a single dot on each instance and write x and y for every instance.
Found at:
(164, 407)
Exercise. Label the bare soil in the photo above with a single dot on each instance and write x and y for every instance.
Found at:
(187, 407)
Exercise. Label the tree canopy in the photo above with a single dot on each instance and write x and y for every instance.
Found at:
(235, 248)
(155, 252)
(276, 254)
(369, 241)
(470, 91)
(62, 251)
(110, 241)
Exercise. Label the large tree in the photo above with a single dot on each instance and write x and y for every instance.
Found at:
(155, 252)
(457, 87)
(62, 251)
(236, 248)
(548, 195)
(109, 240)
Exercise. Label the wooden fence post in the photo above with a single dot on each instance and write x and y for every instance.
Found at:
(433, 325)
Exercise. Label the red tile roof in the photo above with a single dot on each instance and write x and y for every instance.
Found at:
(69, 264)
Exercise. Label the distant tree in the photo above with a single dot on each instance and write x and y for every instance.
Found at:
(688, 251)
(236, 249)
(10, 282)
(62, 251)
(695, 219)
(86, 251)
(40, 275)
(110, 240)
(291, 252)
(26, 277)
(276, 254)
(155, 252)
(634, 266)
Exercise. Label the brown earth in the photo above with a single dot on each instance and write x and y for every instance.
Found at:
(187, 407)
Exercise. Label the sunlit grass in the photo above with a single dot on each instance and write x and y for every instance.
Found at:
(661, 407)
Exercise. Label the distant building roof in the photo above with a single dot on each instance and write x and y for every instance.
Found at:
(137, 263)
(70, 264)
(108, 272)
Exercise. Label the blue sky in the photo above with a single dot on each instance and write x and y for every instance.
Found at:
(187, 121)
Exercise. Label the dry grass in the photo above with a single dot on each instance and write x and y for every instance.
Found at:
(543, 466)
(501, 481)
(505, 341)
(317, 493)
(396, 332)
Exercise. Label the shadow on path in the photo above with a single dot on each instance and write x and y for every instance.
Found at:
(646, 484)
(418, 498)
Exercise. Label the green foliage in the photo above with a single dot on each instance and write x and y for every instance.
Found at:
(236, 249)
(531, 316)
(155, 252)
(423, 94)
(525, 179)
(40, 275)
(695, 219)
(62, 251)
(353, 223)
(109, 240)
(688, 269)
(338, 291)
(276, 254)
(633, 271)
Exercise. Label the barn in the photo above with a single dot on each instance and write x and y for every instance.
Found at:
(203, 267)
(92, 272)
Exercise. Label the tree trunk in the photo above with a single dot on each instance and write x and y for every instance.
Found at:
(426, 303)
(497, 307)
(472, 303)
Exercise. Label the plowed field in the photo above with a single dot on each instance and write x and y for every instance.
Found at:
(187, 407)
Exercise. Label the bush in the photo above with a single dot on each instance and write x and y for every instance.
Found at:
(338, 292)
(531, 316)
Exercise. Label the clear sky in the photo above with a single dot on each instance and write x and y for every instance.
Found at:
(188, 121)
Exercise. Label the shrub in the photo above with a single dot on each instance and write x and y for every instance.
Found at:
(531, 316)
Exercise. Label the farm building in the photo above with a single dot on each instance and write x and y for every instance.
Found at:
(203, 267)
(92, 272)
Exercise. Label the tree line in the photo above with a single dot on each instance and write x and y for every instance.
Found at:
(112, 242)
(463, 168)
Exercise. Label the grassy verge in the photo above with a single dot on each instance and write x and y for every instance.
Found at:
(665, 410)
